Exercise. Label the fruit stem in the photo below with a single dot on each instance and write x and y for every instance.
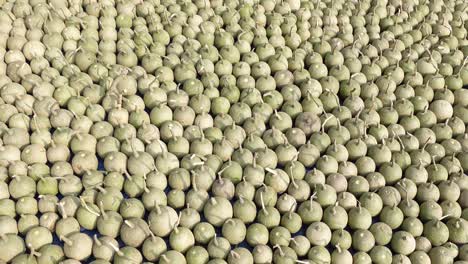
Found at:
(66, 240)
(96, 240)
(235, 254)
(101, 208)
(116, 249)
(87, 208)
(279, 249)
(263, 204)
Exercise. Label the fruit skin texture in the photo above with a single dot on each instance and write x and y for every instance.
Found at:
(78, 246)
(182, 131)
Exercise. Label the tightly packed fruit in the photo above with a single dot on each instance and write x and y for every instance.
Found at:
(233, 131)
